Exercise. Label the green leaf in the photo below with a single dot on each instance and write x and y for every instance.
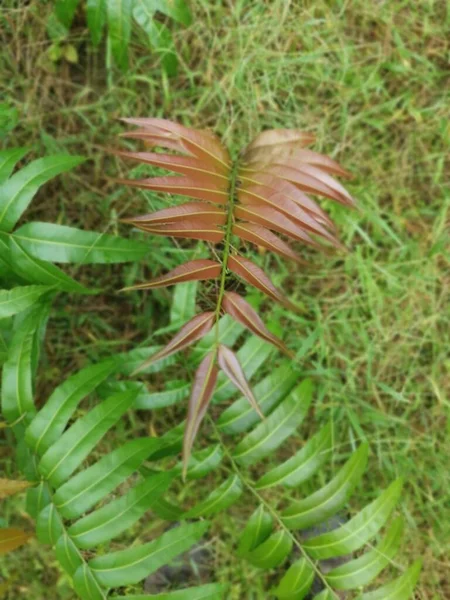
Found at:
(49, 526)
(134, 358)
(37, 498)
(361, 571)
(176, 392)
(218, 500)
(229, 332)
(359, 530)
(119, 515)
(68, 554)
(183, 302)
(303, 464)
(296, 582)
(211, 591)
(258, 529)
(93, 484)
(178, 10)
(9, 159)
(203, 462)
(61, 244)
(130, 566)
(119, 29)
(17, 386)
(272, 432)
(19, 298)
(18, 191)
(36, 271)
(86, 585)
(325, 595)
(50, 422)
(240, 416)
(65, 11)
(400, 589)
(327, 501)
(69, 451)
(96, 18)
(272, 552)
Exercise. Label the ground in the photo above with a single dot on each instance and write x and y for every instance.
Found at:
(369, 79)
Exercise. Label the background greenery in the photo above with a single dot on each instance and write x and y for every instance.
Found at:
(369, 78)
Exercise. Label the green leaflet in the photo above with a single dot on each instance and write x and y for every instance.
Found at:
(400, 589)
(359, 530)
(203, 462)
(303, 464)
(252, 355)
(37, 498)
(220, 499)
(119, 29)
(183, 302)
(361, 571)
(86, 585)
(62, 244)
(134, 359)
(68, 452)
(240, 416)
(257, 530)
(178, 391)
(324, 503)
(49, 526)
(50, 422)
(132, 565)
(65, 11)
(9, 159)
(96, 18)
(296, 582)
(17, 387)
(36, 271)
(68, 554)
(212, 591)
(93, 484)
(229, 332)
(272, 432)
(20, 298)
(272, 552)
(17, 192)
(112, 519)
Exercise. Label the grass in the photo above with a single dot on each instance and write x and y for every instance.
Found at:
(369, 79)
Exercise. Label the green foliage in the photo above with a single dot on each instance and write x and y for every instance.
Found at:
(118, 16)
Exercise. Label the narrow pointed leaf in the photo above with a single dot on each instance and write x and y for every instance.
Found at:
(96, 18)
(210, 591)
(93, 484)
(261, 236)
(68, 554)
(321, 161)
(296, 582)
(273, 431)
(400, 589)
(195, 229)
(68, 452)
(359, 530)
(202, 390)
(303, 464)
(361, 571)
(183, 302)
(194, 270)
(272, 552)
(130, 566)
(19, 298)
(203, 462)
(86, 585)
(114, 518)
(119, 29)
(240, 416)
(257, 530)
(231, 366)
(17, 192)
(241, 310)
(50, 422)
(275, 137)
(12, 538)
(256, 277)
(327, 501)
(9, 487)
(9, 159)
(49, 525)
(174, 214)
(218, 500)
(191, 332)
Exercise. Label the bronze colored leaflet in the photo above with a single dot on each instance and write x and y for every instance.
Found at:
(193, 270)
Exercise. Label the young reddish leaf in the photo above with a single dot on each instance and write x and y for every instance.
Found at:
(275, 137)
(9, 487)
(191, 332)
(201, 187)
(255, 276)
(193, 270)
(178, 164)
(159, 140)
(195, 229)
(174, 214)
(267, 239)
(203, 144)
(323, 162)
(272, 219)
(12, 538)
(242, 312)
(202, 390)
(230, 365)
